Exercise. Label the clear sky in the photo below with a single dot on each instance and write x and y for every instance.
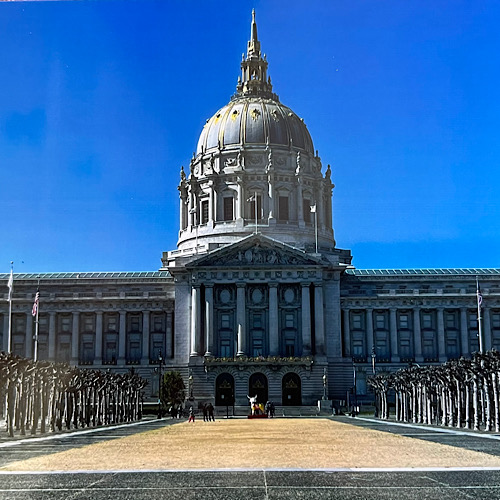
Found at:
(101, 102)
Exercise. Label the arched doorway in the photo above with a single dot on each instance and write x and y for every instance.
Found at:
(257, 386)
(291, 390)
(224, 390)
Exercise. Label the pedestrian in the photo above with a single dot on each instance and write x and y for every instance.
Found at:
(205, 412)
(191, 414)
(272, 408)
(210, 409)
(268, 408)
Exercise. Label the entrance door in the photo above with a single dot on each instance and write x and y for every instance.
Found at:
(224, 390)
(257, 386)
(291, 390)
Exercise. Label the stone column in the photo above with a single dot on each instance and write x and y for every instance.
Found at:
(239, 201)
(169, 348)
(319, 319)
(300, 203)
(370, 339)
(211, 217)
(195, 320)
(75, 337)
(209, 319)
(52, 336)
(98, 338)
(441, 335)
(486, 327)
(29, 336)
(306, 319)
(190, 210)
(464, 331)
(394, 335)
(273, 320)
(122, 338)
(145, 338)
(347, 333)
(417, 335)
(241, 318)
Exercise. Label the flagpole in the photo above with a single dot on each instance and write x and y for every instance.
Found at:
(316, 228)
(11, 288)
(479, 321)
(256, 223)
(37, 302)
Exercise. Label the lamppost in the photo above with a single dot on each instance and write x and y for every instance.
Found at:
(160, 362)
(354, 390)
(374, 358)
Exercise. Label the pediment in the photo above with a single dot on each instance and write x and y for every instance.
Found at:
(256, 250)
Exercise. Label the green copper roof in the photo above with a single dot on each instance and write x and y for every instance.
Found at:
(89, 275)
(423, 272)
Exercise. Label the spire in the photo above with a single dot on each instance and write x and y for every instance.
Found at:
(254, 79)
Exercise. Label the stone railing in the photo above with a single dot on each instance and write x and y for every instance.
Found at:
(274, 362)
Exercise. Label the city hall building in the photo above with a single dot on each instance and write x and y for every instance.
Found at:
(256, 299)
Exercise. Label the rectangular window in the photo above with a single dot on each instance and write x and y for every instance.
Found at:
(111, 323)
(495, 320)
(225, 348)
(134, 323)
(427, 320)
(356, 322)
(88, 323)
(290, 347)
(224, 321)
(65, 325)
(283, 213)
(228, 208)
(204, 211)
(257, 347)
(380, 321)
(403, 321)
(357, 348)
(158, 323)
(257, 320)
(307, 210)
(450, 321)
(289, 320)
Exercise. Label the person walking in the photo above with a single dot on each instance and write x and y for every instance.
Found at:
(191, 414)
(210, 409)
(205, 413)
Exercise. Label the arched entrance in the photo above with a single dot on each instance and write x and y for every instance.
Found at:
(291, 390)
(224, 390)
(257, 386)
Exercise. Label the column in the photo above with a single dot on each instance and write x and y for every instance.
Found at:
(98, 338)
(306, 319)
(169, 348)
(486, 328)
(347, 333)
(417, 335)
(209, 319)
(241, 318)
(273, 320)
(29, 336)
(145, 338)
(239, 201)
(440, 334)
(75, 337)
(464, 331)
(122, 338)
(319, 319)
(190, 210)
(52, 336)
(211, 217)
(370, 340)
(394, 335)
(300, 203)
(195, 320)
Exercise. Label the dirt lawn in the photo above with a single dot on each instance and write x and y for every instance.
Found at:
(273, 443)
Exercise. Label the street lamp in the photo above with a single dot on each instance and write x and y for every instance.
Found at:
(160, 362)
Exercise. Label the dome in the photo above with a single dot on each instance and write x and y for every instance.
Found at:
(254, 121)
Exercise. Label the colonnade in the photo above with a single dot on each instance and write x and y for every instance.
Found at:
(305, 326)
(417, 331)
(99, 331)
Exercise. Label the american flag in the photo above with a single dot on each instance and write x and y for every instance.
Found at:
(35, 304)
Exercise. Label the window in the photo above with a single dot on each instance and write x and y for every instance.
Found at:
(403, 321)
(252, 207)
(224, 321)
(257, 320)
(158, 323)
(225, 348)
(380, 323)
(289, 320)
(257, 347)
(228, 208)
(65, 324)
(306, 209)
(427, 320)
(356, 322)
(450, 320)
(283, 213)
(357, 348)
(204, 211)
(88, 323)
(112, 323)
(495, 320)
(134, 323)
(289, 347)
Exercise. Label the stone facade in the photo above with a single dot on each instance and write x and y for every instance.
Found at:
(256, 299)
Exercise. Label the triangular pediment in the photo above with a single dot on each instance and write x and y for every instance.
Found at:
(256, 251)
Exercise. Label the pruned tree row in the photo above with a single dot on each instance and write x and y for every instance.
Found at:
(459, 393)
(34, 395)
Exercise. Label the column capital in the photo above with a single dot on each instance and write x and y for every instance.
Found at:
(273, 285)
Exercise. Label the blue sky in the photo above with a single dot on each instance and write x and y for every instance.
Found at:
(101, 103)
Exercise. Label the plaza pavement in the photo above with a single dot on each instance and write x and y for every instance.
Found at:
(465, 480)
